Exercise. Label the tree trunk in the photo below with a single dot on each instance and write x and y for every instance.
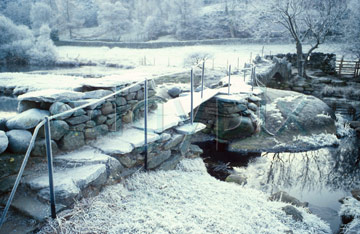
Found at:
(300, 59)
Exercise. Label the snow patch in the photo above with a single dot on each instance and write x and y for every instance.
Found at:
(185, 200)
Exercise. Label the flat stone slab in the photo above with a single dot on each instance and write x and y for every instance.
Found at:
(157, 123)
(51, 95)
(136, 137)
(112, 145)
(189, 129)
(233, 98)
(32, 207)
(85, 156)
(79, 177)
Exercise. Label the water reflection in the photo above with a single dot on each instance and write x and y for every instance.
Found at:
(329, 168)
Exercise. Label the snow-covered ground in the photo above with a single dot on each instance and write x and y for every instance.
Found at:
(186, 200)
(175, 56)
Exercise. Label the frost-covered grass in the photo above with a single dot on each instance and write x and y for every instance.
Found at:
(351, 208)
(175, 56)
(346, 92)
(343, 128)
(185, 200)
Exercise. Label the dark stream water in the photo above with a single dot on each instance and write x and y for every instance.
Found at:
(320, 177)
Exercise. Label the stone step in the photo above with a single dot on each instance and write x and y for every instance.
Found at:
(32, 207)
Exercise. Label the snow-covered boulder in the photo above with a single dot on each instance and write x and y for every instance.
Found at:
(27, 120)
(174, 92)
(60, 107)
(52, 95)
(95, 94)
(291, 122)
(3, 141)
(19, 140)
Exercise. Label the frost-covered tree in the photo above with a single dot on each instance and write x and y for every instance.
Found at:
(307, 21)
(15, 41)
(114, 19)
(18, 11)
(70, 16)
(351, 29)
(40, 14)
(43, 52)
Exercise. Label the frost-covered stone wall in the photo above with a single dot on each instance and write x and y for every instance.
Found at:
(73, 130)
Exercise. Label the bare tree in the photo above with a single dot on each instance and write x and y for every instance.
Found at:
(308, 21)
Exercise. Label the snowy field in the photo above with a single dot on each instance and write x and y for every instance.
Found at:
(186, 200)
(175, 56)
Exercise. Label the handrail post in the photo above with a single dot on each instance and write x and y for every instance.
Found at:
(229, 83)
(191, 96)
(50, 167)
(202, 79)
(145, 123)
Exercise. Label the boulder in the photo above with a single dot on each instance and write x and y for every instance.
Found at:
(285, 197)
(293, 212)
(72, 140)
(120, 101)
(174, 92)
(60, 107)
(27, 120)
(292, 122)
(135, 88)
(58, 128)
(19, 140)
(4, 142)
(236, 178)
(156, 159)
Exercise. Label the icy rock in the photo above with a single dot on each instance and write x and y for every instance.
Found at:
(80, 112)
(285, 197)
(175, 140)
(195, 149)
(252, 106)
(72, 140)
(107, 108)
(96, 94)
(27, 120)
(174, 92)
(236, 178)
(135, 88)
(156, 159)
(58, 128)
(4, 142)
(165, 137)
(96, 103)
(60, 107)
(120, 101)
(113, 146)
(78, 119)
(189, 129)
(51, 95)
(93, 133)
(171, 163)
(19, 140)
(39, 149)
(293, 212)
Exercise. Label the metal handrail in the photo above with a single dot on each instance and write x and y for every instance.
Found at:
(47, 121)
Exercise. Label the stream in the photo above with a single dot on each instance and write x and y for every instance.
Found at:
(321, 177)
